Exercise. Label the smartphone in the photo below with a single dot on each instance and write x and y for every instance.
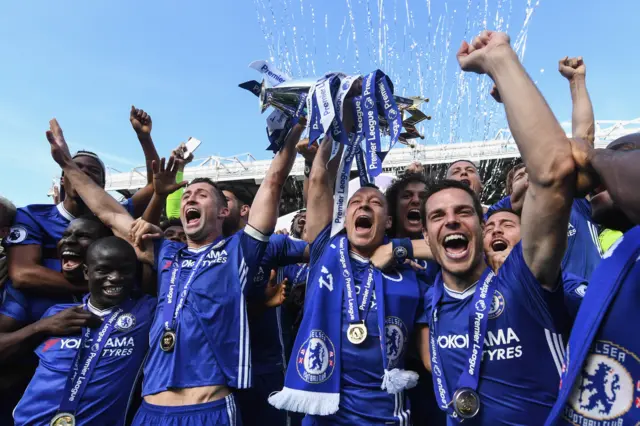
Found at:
(191, 145)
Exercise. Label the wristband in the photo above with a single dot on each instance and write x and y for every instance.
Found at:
(402, 249)
(307, 168)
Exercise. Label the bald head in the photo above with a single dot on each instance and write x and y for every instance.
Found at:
(626, 143)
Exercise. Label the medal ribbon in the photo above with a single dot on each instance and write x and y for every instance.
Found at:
(338, 132)
(323, 111)
(370, 123)
(478, 321)
(341, 190)
(350, 296)
(171, 307)
(391, 114)
(80, 373)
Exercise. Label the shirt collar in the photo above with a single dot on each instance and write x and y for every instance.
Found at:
(99, 312)
(460, 295)
(355, 256)
(64, 212)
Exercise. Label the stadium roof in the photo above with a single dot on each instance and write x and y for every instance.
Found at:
(244, 173)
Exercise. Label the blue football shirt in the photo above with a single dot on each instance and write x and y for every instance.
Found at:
(583, 252)
(212, 345)
(108, 392)
(607, 392)
(362, 401)
(267, 341)
(521, 361)
(43, 225)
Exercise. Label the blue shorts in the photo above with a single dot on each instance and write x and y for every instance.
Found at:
(220, 412)
(253, 404)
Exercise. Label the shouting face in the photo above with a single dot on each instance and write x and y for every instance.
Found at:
(407, 212)
(202, 211)
(467, 173)
(501, 232)
(72, 247)
(367, 220)
(454, 231)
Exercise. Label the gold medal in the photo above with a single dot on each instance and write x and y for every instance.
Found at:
(466, 402)
(357, 333)
(168, 341)
(63, 419)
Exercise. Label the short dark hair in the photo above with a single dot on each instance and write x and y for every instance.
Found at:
(105, 231)
(396, 187)
(111, 242)
(217, 191)
(166, 224)
(242, 195)
(511, 174)
(502, 210)
(450, 184)
(460, 161)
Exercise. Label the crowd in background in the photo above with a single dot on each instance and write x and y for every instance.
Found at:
(182, 305)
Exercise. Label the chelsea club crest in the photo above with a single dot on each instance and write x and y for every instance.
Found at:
(608, 388)
(125, 322)
(497, 305)
(396, 336)
(316, 358)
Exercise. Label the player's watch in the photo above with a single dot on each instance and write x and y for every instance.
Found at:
(402, 249)
(307, 169)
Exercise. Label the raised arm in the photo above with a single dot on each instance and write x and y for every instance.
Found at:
(103, 205)
(27, 272)
(308, 152)
(545, 150)
(582, 120)
(141, 123)
(173, 200)
(164, 184)
(320, 194)
(267, 198)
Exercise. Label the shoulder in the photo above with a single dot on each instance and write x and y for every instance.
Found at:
(168, 247)
(253, 233)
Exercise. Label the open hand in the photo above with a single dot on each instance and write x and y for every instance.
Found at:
(59, 148)
(164, 178)
(572, 67)
(179, 157)
(474, 57)
(275, 293)
(140, 121)
(70, 321)
(141, 230)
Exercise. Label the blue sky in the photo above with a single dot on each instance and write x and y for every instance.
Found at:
(87, 62)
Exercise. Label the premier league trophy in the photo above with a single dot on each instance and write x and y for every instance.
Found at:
(377, 112)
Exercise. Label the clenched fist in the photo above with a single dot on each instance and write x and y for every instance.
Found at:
(475, 57)
(572, 67)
